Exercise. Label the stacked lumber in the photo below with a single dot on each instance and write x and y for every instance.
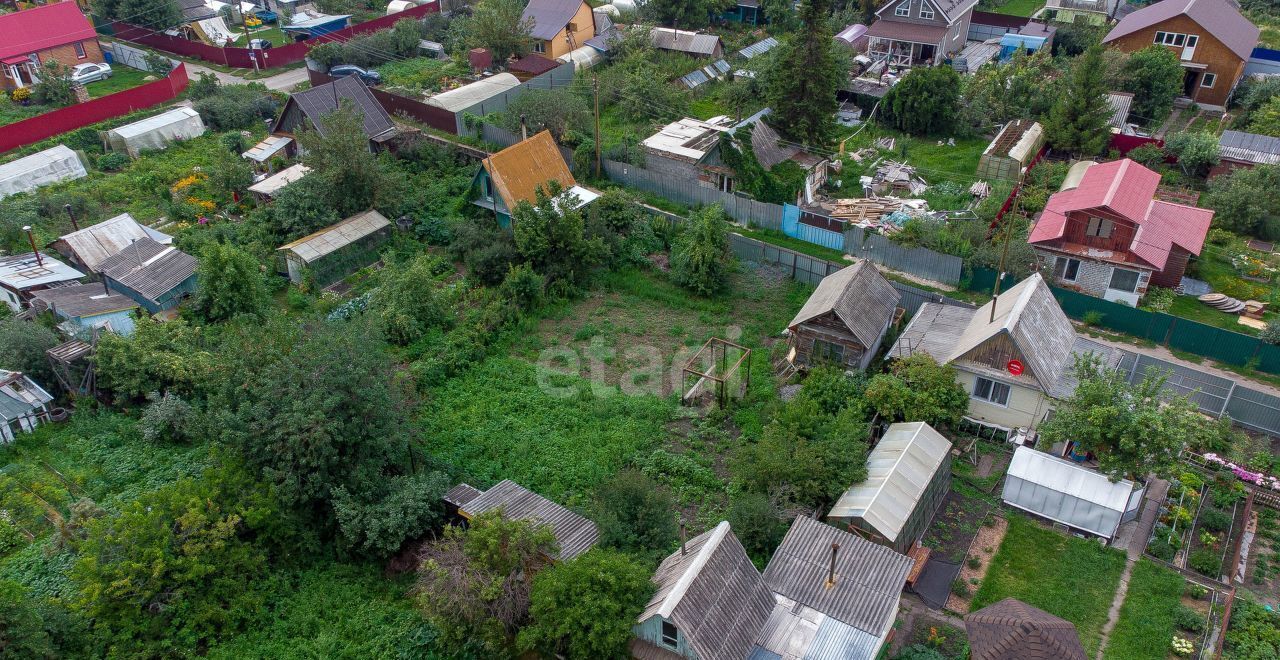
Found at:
(859, 211)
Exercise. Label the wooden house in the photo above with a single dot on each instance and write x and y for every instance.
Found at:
(919, 32)
(515, 175)
(845, 319)
(575, 534)
(156, 276)
(309, 108)
(559, 26)
(87, 248)
(86, 307)
(23, 404)
(53, 32)
(1212, 39)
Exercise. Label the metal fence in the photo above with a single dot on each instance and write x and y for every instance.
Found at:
(129, 56)
(691, 193)
(920, 262)
(1215, 395)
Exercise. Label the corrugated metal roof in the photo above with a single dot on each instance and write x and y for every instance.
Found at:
(461, 495)
(859, 295)
(758, 48)
(1069, 478)
(335, 237)
(549, 16)
(457, 100)
(794, 631)
(318, 102)
(694, 79)
(149, 268)
(574, 533)
(95, 244)
(23, 271)
(11, 408)
(518, 171)
(868, 577)
(276, 182)
(1120, 104)
(694, 43)
(43, 27)
(81, 300)
(899, 470)
(268, 147)
(1250, 147)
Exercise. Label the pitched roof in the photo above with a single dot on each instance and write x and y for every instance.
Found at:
(1030, 315)
(149, 268)
(899, 470)
(768, 146)
(42, 27)
(1120, 103)
(534, 64)
(94, 244)
(457, 100)
(318, 102)
(868, 577)
(273, 184)
(335, 237)
(574, 533)
(951, 10)
(23, 271)
(81, 300)
(1014, 630)
(859, 295)
(1250, 147)
(694, 43)
(1219, 17)
(888, 28)
(689, 139)
(549, 16)
(713, 594)
(519, 170)
(196, 10)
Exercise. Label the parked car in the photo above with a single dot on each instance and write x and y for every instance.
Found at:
(259, 44)
(90, 72)
(344, 70)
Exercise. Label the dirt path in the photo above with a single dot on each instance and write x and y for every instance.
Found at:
(1135, 540)
(1116, 603)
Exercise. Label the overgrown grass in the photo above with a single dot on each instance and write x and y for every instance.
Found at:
(1019, 7)
(1068, 577)
(1146, 625)
(1188, 307)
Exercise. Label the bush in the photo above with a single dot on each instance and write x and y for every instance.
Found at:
(1188, 619)
(166, 419)
(700, 259)
(1271, 333)
(523, 287)
(756, 522)
(1159, 299)
(1147, 155)
(236, 107)
(960, 588)
(1206, 562)
(1215, 520)
(1162, 549)
(112, 162)
(634, 514)
(1195, 591)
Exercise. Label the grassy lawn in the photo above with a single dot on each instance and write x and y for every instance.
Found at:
(1019, 7)
(122, 78)
(11, 112)
(1065, 576)
(1270, 37)
(1188, 307)
(1146, 625)
(936, 162)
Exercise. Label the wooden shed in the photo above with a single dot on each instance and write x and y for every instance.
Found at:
(845, 319)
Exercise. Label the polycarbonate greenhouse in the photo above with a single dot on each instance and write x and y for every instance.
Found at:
(1068, 493)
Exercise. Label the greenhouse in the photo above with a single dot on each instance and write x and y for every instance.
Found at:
(1070, 494)
(337, 251)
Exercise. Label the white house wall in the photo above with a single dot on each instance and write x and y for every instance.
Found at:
(1027, 406)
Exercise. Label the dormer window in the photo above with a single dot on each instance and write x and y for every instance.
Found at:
(670, 636)
(903, 9)
(1098, 227)
(926, 12)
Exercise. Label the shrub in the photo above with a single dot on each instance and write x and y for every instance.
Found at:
(11, 537)
(700, 259)
(1148, 155)
(1226, 495)
(1188, 619)
(756, 522)
(1271, 333)
(1159, 299)
(1206, 562)
(975, 563)
(236, 107)
(1092, 318)
(960, 588)
(112, 162)
(166, 419)
(1195, 591)
(523, 287)
(1162, 549)
(1215, 520)
(634, 514)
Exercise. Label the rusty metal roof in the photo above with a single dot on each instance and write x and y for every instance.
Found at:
(519, 170)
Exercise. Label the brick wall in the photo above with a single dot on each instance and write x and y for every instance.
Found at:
(66, 53)
(1092, 278)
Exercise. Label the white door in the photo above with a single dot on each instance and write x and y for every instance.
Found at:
(1189, 50)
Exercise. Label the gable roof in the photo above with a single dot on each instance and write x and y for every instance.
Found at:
(574, 533)
(196, 10)
(149, 268)
(859, 295)
(713, 593)
(318, 102)
(1219, 17)
(950, 9)
(694, 43)
(1250, 147)
(81, 300)
(335, 237)
(24, 271)
(519, 170)
(549, 16)
(534, 64)
(899, 470)
(46, 26)
(94, 244)
(1014, 630)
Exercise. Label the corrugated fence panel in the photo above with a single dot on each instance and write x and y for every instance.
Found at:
(691, 193)
(1254, 409)
(819, 236)
(1222, 345)
(920, 262)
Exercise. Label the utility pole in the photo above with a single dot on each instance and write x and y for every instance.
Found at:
(1004, 252)
(595, 86)
(248, 43)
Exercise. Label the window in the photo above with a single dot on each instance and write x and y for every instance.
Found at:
(1179, 39)
(1099, 227)
(539, 46)
(827, 351)
(926, 12)
(1208, 80)
(903, 9)
(1066, 268)
(1171, 39)
(991, 391)
(1123, 280)
(669, 635)
(1192, 40)
(80, 50)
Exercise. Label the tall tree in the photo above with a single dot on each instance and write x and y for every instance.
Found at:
(687, 14)
(924, 102)
(550, 235)
(1196, 151)
(585, 608)
(22, 348)
(497, 26)
(700, 258)
(1154, 75)
(230, 283)
(341, 159)
(801, 85)
(1078, 121)
(1247, 201)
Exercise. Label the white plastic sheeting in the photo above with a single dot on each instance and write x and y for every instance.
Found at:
(582, 58)
(215, 31)
(156, 132)
(40, 169)
(1065, 492)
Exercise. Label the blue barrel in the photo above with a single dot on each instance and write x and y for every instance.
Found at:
(109, 56)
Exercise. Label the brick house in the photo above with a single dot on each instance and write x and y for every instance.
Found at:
(913, 32)
(1212, 38)
(56, 32)
(1110, 237)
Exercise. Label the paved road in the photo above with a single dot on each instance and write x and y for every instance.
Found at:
(283, 81)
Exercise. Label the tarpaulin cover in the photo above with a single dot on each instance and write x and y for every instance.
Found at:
(40, 169)
(934, 584)
(156, 132)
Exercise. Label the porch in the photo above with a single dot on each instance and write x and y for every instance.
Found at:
(905, 44)
(19, 72)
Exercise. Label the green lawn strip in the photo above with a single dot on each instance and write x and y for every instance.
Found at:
(1146, 625)
(1068, 577)
(1019, 7)
(122, 78)
(1188, 307)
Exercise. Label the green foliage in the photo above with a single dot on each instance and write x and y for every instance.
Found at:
(1271, 333)
(808, 69)
(1247, 201)
(1196, 152)
(918, 389)
(1266, 121)
(832, 390)
(1025, 87)
(112, 162)
(1147, 155)
(157, 357)
(158, 64)
(405, 507)
(22, 348)
(300, 209)
(54, 88)
(919, 652)
(758, 524)
(1206, 561)
(1159, 299)
(523, 287)
(22, 633)
(1078, 121)
(421, 75)
(234, 107)
(626, 228)
(552, 240)
(497, 25)
(350, 174)
(1150, 614)
(924, 102)
(406, 302)
(372, 49)
(687, 14)
(1254, 632)
(1215, 520)
(634, 514)
(153, 14)
(1154, 75)
(585, 608)
(555, 110)
(1188, 619)
(779, 185)
(166, 419)
(700, 259)
(230, 283)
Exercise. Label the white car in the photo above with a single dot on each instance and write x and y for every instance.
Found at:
(90, 72)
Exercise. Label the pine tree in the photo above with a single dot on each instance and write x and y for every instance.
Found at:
(1078, 120)
(802, 86)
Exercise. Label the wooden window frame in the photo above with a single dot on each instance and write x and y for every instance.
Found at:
(1208, 80)
(81, 53)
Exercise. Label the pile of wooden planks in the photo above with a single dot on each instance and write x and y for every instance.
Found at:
(859, 211)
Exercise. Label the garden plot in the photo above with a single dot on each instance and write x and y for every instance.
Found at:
(1199, 522)
(1150, 622)
(1262, 568)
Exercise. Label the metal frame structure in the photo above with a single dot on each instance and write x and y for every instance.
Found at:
(716, 353)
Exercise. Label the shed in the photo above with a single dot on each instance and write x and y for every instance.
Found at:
(89, 247)
(516, 173)
(908, 475)
(1014, 630)
(312, 106)
(40, 169)
(21, 275)
(270, 146)
(84, 307)
(272, 185)
(482, 97)
(845, 318)
(531, 66)
(23, 404)
(853, 36)
(1239, 149)
(154, 275)
(1068, 493)
(156, 132)
(1012, 42)
(1012, 150)
(337, 250)
(696, 44)
(574, 533)
(758, 48)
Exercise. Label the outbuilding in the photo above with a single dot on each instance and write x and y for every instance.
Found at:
(21, 275)
(1012, 150)
(574, 533)
(482, 97)
(85, 307)
(42, 168)
(337, 250)
(158, 132)
(845, 319)
(908, 476)
(23, 404)
(87, 248)
(154, 275)
(269, 187)
(1070, 494)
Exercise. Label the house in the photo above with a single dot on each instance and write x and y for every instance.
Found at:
(908, 476)
(85, 307)
(54, 32)
(845, 318)
(1212, 39)
(1013, 630)
(1014, 355)
(156, 132)
(516, 173)
(1014, 147)
(744, 11)
(919, 32)
(154, 275)
(42, 168)
(1091, 12)
(695, 44)
(23, 404)
(1069, 494)
(309, 109)
(266, 189)
(1238, 149)
(87, 248)
(338, 250)
(559, 26)
(825, 594)
(22, 275)
(574, 533)
(1110, 237)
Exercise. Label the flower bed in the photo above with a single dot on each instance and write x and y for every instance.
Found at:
(1247, 476)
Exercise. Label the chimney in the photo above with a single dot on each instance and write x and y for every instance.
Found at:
(524, 129)
(105, 290)
(31, 237)
(831, 572)
(75, 226)
(683, 539)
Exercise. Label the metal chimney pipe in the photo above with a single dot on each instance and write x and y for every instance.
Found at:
(831, 572)
(106, 291)
(75, 226)
(683, 539)
(31, 237)
(524, 129)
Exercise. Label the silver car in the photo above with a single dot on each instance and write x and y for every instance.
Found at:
(90, 72)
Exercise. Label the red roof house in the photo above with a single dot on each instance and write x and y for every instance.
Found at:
(1110, 237)
(56, 32)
